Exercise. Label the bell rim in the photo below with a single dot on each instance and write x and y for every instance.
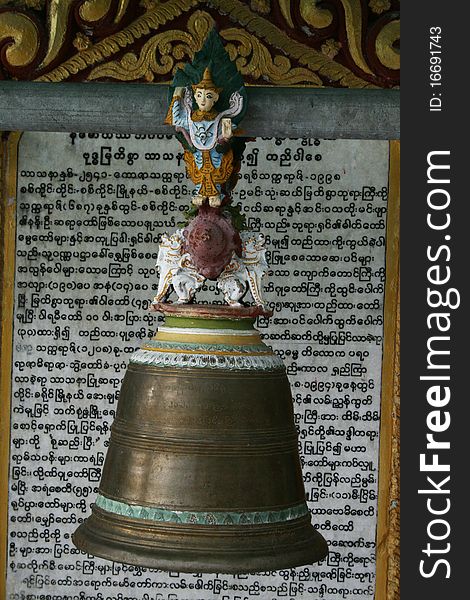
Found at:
(190, 548)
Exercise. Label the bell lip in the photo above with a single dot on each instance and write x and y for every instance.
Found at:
(211, 311)
(208, 557)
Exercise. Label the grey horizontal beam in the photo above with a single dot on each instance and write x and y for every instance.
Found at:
(138, 108)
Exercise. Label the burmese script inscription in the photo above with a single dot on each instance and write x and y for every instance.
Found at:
(90, 212)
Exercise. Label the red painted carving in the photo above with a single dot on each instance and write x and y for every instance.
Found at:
(211, 240)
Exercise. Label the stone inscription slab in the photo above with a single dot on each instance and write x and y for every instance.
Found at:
(90, 210)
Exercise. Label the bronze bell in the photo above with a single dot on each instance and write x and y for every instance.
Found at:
(203, 472)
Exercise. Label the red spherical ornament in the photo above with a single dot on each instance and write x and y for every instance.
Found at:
(211, 240)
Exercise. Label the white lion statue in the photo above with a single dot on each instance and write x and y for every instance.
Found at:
(177, 272)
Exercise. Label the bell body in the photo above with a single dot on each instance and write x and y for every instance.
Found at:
(203, 472)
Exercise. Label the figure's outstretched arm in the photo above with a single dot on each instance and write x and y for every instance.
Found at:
(177, 114)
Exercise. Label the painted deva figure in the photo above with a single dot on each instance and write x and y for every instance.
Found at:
(205, 116)
(207, 101)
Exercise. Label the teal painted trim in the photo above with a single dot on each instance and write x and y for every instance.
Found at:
(164, 515)
(206, 360)
(209, 323)
(207, 347)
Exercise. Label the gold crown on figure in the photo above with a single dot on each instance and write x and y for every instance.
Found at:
(206, 82)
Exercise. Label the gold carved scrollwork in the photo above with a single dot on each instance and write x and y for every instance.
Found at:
(331, 48)
(142, 26)
(353, 15)
(22, 37)
(94, 10)
(320, 18)
(57, 24)
(59, 10)
(81, 41)
(121, 10)
(259, 42)
(353, 12)
(379, 6)
(384, 41)
(317, 17)
(161, 53)
(23, 32)
(261, 6)
(313, 59)
(284, 5)
(254, 59)
(156, 57)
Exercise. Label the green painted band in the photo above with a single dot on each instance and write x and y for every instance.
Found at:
(165, 515)
(209, 323)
